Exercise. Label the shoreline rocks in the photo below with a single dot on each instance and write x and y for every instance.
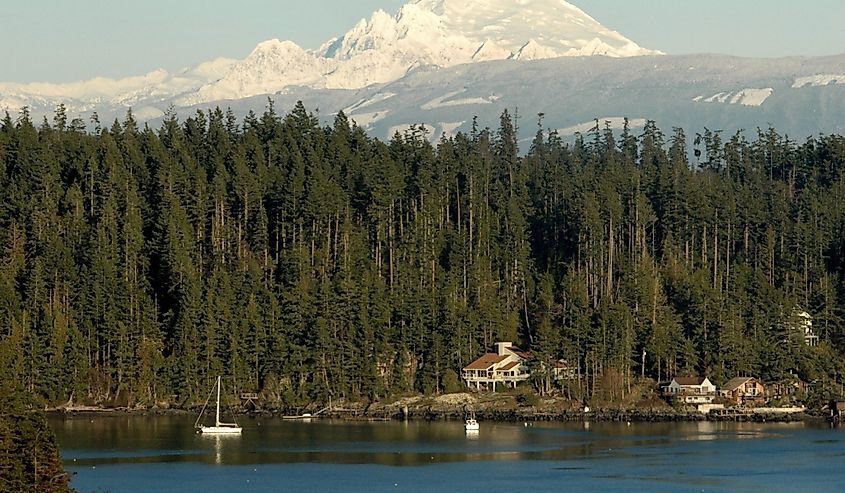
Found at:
(454, 407)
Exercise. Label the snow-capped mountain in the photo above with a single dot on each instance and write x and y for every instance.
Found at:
(440, 63)
(438, 33)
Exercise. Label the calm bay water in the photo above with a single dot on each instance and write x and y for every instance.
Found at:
(163, 454)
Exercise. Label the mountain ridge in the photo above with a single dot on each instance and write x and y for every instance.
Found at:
(800, 96)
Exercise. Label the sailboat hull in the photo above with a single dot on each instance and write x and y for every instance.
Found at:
(221, 429)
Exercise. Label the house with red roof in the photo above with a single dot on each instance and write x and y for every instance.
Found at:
(507, 366)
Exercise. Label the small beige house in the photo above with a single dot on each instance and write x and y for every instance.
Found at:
(507, 366)
(562, 370)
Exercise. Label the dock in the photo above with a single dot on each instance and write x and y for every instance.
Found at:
(753, 413)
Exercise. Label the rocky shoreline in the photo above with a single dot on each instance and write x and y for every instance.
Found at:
(454, 407)
(622, 416)
(516, 416)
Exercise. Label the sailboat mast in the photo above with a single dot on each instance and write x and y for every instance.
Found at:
(217, 421)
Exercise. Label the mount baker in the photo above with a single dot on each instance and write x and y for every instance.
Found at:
(423, 33)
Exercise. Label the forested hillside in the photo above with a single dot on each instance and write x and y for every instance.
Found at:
(308, 262)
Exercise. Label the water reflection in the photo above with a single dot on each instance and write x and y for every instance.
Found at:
(218, 441)
(148, 439)
(707, 430)
(162, 451)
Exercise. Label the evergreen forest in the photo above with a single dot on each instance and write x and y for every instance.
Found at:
(29, 454)
(309, 262)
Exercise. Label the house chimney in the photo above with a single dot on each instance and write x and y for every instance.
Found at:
(501, 346)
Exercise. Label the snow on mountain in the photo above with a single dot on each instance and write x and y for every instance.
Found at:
(384, 48)
(572, 92)
(745, 97)
(98, 89)
(363, 103)
(126, 90)
(369, 119)
(438, 33)
(818, 80)
(444, 33)
(448, 100)
(554, 26)
(614, 122)
(272, 65)
(436, 64)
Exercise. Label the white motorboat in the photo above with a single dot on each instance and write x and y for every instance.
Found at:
(471, 424)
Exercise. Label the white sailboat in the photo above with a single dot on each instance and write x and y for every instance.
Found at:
(219, 426)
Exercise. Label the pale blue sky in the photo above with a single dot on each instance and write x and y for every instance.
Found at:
(63, 40)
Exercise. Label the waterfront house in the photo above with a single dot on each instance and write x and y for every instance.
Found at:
(691, 385)
(786, 389)
(744, 389)
(691, 390)
(507, 366)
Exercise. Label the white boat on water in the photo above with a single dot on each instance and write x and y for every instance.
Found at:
(471, 424)
(219, 426)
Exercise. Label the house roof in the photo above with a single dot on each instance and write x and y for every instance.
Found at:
(508, 366)
(485, 361)
(736, 382)
(689, 380)
(526, 355)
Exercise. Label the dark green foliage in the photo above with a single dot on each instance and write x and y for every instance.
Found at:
(312, 263)
(29, 455)
(527, 398)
